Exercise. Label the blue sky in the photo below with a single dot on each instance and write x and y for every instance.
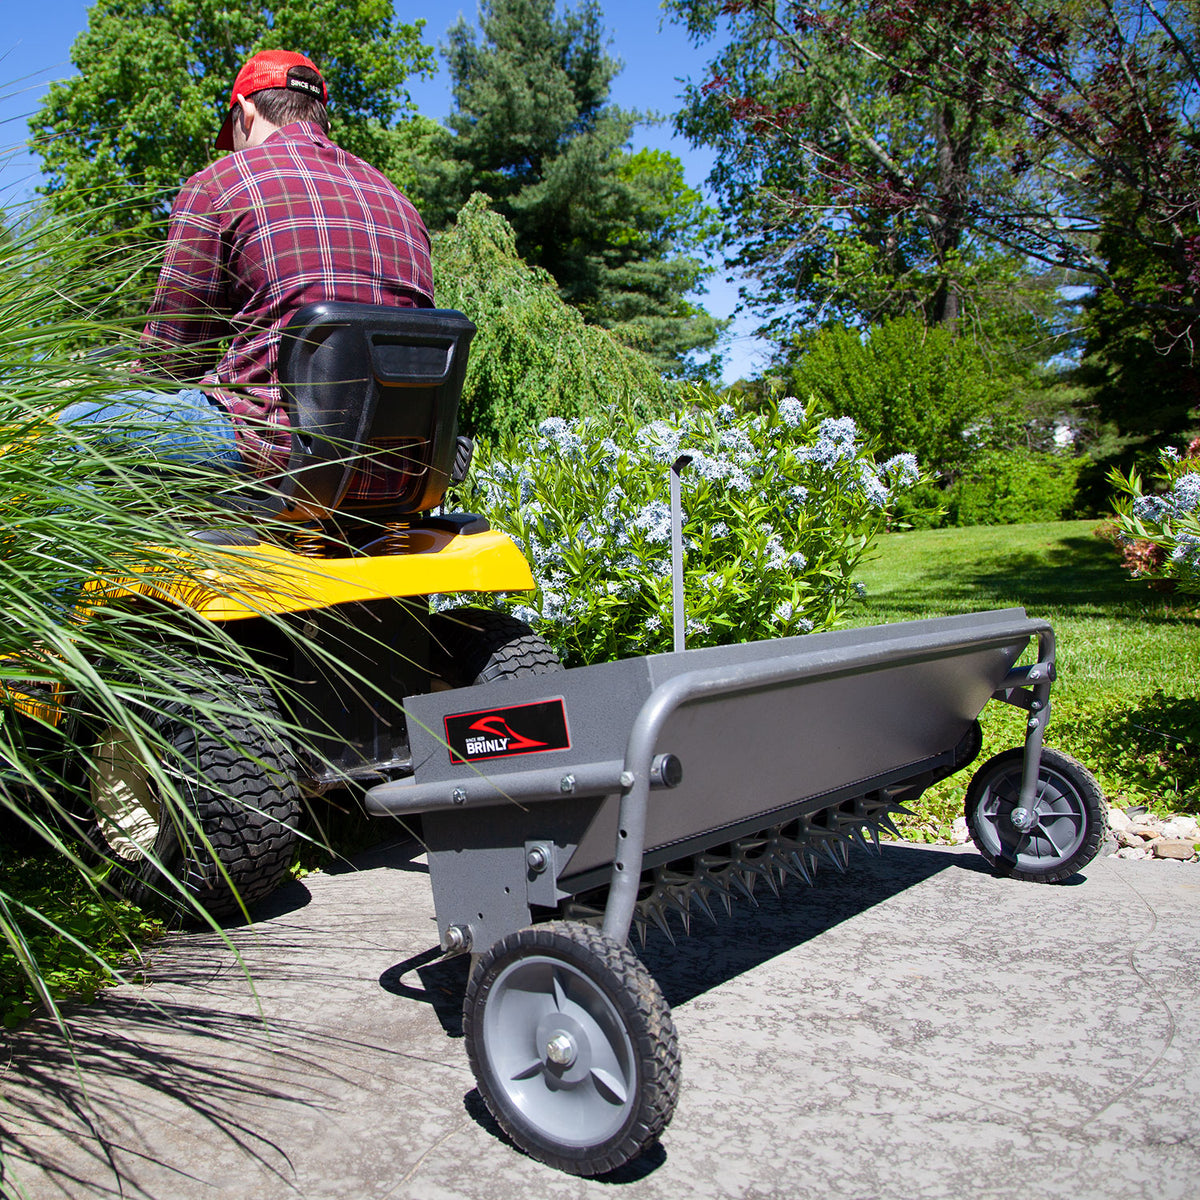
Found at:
(35, 43)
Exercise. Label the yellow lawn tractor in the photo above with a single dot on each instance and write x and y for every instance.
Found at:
(327, 587)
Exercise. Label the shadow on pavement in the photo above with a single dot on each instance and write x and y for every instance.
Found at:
(128, 1063)
(744, 938)
(751, 936)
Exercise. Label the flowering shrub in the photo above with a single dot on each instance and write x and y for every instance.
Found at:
(780, 505)
(1161, 529)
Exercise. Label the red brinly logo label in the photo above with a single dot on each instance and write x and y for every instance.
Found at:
(504, 732)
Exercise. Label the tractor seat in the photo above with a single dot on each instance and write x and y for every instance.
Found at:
(372, 394)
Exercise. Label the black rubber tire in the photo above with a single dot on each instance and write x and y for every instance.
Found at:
(590, 973)
(1072, 817)
(238, 780)
(479, 645)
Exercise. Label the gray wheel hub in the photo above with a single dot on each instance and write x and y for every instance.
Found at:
(1050, 830)
(560, 1050)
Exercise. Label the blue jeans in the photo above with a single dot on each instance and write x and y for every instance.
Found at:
(185, 427)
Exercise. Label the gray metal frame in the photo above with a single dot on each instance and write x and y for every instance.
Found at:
(802, 724)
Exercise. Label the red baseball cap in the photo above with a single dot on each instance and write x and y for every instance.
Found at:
(269, 69)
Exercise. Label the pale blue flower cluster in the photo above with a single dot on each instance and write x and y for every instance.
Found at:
(837, 441)
(873, 488)
(720, 470)
(665, 440)
(735, 441)
(654, 522)
(1182, 499)
(792, 412)
(1186, 493)
(1187, 552)
(901, 470)
(557, 434)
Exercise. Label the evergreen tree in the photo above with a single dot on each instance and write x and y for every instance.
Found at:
(533, 130)
(534, 355)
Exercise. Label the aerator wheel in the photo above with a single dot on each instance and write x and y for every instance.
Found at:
(1059, 835)
(479, 645)
(572, 1045)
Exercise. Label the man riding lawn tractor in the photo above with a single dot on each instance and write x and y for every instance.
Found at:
(338, 389)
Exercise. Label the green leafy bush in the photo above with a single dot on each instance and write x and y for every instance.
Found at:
(1161, 528)
(910, 388)
(780, 505)
(1015, 487)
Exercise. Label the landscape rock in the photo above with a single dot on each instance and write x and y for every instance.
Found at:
(1173, 848)
(1184, 829)
(1118, 822)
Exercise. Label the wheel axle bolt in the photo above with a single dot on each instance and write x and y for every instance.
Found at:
(560, 1050)
(457, 939)
(1021, 818)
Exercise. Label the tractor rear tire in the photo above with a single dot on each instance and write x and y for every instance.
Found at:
(224, 837)
(479, 645)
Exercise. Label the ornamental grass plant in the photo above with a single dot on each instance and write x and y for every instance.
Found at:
(80, 516)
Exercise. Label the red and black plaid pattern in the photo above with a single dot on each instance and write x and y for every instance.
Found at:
(258, 235)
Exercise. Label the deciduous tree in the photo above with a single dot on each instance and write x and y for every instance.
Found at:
(153, 80)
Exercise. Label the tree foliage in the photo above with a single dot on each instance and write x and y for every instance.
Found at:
(850, 199)
(153, 83)
(957, 123)
(912, 389)
(534, 355)
(534, 131)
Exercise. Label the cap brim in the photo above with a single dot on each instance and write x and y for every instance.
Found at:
(225, 137)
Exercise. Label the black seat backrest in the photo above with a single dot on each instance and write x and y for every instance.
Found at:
(373, 394)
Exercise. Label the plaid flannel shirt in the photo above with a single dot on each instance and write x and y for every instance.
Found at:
(253, 238)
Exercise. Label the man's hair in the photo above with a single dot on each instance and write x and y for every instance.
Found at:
(283, 106)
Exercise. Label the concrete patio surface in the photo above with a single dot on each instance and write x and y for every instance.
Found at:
(912, 1030)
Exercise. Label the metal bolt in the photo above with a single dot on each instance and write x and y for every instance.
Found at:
(457, 939)
(537, 858)
(1033, 724)
(1021, 818)
(566, 784)
(1035, 706)
(627, 779)
(560, 1050)
(459, 796)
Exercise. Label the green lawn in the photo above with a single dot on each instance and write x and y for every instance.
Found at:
(1127, 701)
